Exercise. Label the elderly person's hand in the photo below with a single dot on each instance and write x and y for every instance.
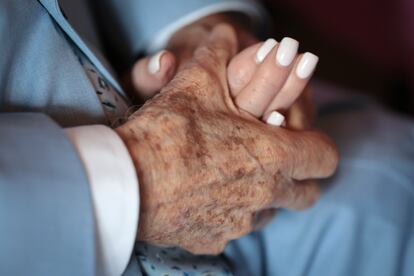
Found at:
(205, 168)
(150, 74)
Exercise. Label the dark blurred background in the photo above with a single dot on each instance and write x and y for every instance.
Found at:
(363, 45)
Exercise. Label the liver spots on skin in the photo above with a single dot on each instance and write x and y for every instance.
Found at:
(240, 173)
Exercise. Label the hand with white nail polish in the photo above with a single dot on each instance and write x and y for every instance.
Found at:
(207, 170)
(267, 78)
(150, 74)
(262, 71)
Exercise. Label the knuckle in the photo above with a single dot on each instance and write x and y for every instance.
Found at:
(262, 217)
(311, 197)
(331, 156)
(197, 80)
(278, 190)
(189, 77)
(269, 194)
(334, 159)
(306, 195)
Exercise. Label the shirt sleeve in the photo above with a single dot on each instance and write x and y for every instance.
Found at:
(115, 194)
(134, 26)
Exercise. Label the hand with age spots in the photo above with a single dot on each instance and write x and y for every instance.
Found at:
(205, 168)
(288, 92)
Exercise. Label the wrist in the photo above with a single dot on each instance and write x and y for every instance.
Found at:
(132, 139)
(139, 143)
(151, 138)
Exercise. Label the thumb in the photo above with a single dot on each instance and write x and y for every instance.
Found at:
(150, 74)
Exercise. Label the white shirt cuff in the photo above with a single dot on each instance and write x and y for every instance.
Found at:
(161, 39)
(115, 194)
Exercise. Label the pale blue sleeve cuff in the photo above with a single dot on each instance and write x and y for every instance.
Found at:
(158, 40)
(137, 26)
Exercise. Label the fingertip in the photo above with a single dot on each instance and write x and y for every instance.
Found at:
(306, 65)
(168, 67)
(150, 74)
(161, 64)
(274, 118)
(154, 63)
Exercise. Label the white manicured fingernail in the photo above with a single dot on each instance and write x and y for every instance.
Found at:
(306, 65)
(275, 119)
(265, 49)
(154, 63)
(287, 51)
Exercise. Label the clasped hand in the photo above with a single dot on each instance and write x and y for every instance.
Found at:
(205, 167)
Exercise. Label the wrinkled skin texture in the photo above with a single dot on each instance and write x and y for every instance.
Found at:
(205, 168)
(182, 44)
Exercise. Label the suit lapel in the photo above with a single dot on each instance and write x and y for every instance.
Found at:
(53, 9)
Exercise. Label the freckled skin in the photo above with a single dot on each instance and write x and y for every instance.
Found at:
(205, 168)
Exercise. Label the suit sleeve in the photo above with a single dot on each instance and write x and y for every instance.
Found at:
(46, 216)
(141, 25)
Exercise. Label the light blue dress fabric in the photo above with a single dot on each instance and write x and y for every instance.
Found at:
(364, 222)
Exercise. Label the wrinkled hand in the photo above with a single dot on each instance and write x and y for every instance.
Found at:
(205, 168)
(142, 84)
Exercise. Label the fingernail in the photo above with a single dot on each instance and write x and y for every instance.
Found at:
(287, 51)
(275, 119)
(265, 49)
(154, 63)
(306, 65)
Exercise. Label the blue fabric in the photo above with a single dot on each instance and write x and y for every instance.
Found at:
(46, 222)
(364, 222)
(45, 210)
(46, 217)
(174, 261)
(132, 25)
(39, 71)
(54, 10)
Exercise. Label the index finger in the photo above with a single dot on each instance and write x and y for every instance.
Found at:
(306, 154)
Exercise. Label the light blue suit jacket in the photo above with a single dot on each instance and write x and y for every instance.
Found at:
(46, 216)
